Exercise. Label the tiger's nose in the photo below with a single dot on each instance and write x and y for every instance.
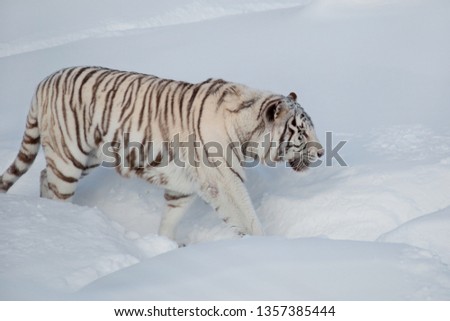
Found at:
(320, 152)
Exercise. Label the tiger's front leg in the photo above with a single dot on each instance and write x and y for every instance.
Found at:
(176, 205)
(229, 197)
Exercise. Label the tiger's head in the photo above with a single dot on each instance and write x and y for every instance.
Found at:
(293, 138)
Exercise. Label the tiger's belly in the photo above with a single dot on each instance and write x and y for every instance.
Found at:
(170, 177)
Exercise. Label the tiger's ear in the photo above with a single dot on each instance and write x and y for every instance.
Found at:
(293, 96)
(274, 111)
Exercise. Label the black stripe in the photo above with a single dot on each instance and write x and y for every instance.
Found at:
(66, 75)
(162, 109)
(58, 173)
(73, 83)
(212, 89)
(131, 101)
(244, 105)
(166, 107)
(157, 161)
(59, 195)
(77, 131)
(56, 108)
(26, 158)
(172, 101)
(159, 92)
(190, 103)
(95, 88)
(109, 101)
(222, 98)
(268, 102)
(170, 197)
(13, 170)
(235, 173)
(27, 139)
(71, 158)
(45, 104)
(186, 88)
(83, 83)
(282, 140)
(146, 106)
(259, 128)
(131, 92)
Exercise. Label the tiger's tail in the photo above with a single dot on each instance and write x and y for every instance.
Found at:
(27, 153)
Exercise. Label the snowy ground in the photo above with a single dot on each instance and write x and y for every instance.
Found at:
(375, 73)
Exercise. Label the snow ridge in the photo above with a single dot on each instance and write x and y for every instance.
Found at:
(188, 12)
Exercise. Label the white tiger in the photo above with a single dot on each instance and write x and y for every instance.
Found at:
(82, 116)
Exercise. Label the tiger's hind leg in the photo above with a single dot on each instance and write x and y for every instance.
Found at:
(44, 192)
(93, 162)
(60, 177)
(59, 183)
(176, 205)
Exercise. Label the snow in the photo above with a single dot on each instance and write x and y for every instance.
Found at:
(280, 270)
(66, 245)
(428, 232)
(372, 72)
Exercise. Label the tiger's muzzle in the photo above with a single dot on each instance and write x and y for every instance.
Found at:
(307, 157)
